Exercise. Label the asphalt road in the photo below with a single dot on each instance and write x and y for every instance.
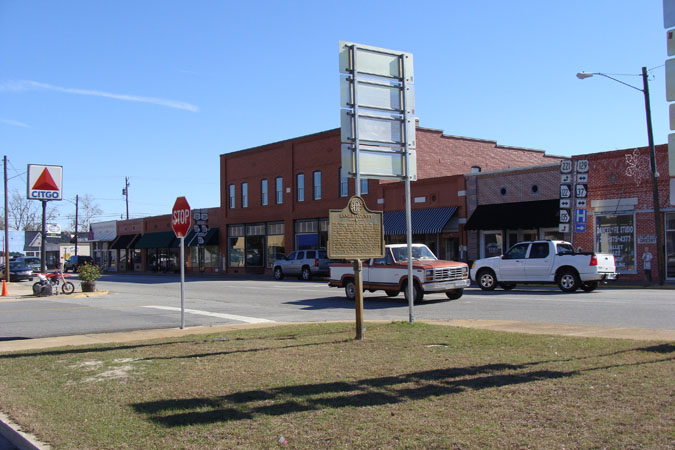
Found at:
(137, 302)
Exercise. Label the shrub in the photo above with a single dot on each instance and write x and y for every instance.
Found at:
(89, 272)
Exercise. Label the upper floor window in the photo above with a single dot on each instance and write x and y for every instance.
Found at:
(344, 184)
(279, 190)
(232, 196)
(316, 185)
(244, 195)
(300, 186)
(263, 192)
(364, 186)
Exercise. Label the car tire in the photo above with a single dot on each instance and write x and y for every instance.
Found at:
(589, 286)
(278, 273)
(392, 293)
(568, 280)
(350, 289)
(455, 294)
(487, 280)
(306, 274)
(418, 294)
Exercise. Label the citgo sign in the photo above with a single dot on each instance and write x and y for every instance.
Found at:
(44, 182)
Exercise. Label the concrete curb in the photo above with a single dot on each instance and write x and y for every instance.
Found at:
(21, 440)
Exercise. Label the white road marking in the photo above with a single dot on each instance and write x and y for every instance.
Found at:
(212, 314)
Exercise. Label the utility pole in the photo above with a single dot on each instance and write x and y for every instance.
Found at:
(125, 192)
(6, 250)
(77, 200)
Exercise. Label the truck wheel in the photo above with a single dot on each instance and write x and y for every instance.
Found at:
(487, 280)
(589, 286)
(455, 294)
(306, 274)
(418, 294)
(350, 289)
(568, 280)
(507, 286)
(278, 273)
(391, 293)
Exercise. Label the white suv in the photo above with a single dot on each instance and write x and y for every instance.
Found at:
(303, 263)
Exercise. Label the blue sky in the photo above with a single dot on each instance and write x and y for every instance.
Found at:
(157, 90)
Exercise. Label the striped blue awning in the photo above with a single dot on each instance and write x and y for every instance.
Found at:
(424, 221)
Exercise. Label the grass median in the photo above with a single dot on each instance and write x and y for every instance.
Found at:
(404, 386)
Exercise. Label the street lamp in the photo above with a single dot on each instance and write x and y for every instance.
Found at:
(660, 258)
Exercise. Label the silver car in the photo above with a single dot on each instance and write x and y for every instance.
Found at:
(303, 263)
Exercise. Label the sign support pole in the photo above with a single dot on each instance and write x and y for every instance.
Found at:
(43, 245)
(408, 206)
(182, 282)
(358, 298)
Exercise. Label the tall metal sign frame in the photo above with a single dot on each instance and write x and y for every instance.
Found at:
(378, 123)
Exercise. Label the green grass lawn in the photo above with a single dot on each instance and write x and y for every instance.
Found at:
(404, 386)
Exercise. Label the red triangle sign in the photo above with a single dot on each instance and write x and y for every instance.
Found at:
(45, 182)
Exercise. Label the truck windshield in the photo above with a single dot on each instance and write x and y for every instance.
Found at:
(419, 252)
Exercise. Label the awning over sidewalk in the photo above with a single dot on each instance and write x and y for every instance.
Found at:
(514, 216)
(424, 221)
(211, 238)
(124, 241)
(162, 239)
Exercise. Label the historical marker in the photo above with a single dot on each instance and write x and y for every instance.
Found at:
(355, 232)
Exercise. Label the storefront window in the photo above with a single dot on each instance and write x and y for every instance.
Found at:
(670, 245)
(236, 245)
(615, 234)
(276, 248)
(491, 244)
(255, 245)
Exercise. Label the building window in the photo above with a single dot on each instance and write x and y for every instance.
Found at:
(276, 248)
(279, 190)
(344, 184)
(263, 192)
(364, 186)
(670, 246)
(316, 185)
(244, 195)
(300, 186)
(232, 196)
(615, 234)
(236, 245)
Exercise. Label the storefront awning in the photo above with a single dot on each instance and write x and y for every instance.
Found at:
(424, 221)
(211, 238)
(514, 216)
(104, 236)
(124, 241)
(162, 239)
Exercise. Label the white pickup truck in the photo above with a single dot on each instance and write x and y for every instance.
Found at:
(390, 274)
(544, 262)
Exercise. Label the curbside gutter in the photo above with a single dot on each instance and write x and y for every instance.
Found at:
(20, 439)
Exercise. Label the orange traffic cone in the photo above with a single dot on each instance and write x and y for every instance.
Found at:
(4, 289)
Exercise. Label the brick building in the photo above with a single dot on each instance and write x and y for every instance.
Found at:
(275, 198)
(621, 210)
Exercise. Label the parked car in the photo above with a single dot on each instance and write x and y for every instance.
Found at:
(74, 262)
(390, 274)
(544, 262)
(17, 271)
(31, 261)
(303, 263)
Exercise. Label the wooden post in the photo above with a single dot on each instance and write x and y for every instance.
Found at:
(358, 298)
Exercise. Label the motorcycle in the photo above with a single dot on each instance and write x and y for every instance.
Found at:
(53, 280)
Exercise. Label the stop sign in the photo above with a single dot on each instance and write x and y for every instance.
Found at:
(180, 217)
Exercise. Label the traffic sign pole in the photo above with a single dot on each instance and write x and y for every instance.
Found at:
(182, 282)
(181, 219)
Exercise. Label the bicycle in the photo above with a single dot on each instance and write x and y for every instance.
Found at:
(53, 280)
